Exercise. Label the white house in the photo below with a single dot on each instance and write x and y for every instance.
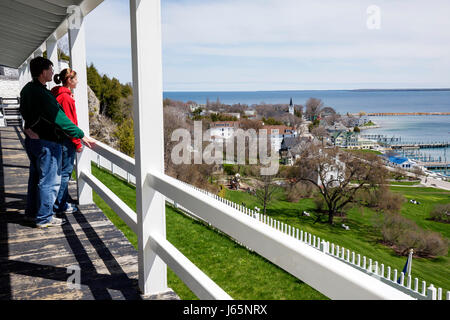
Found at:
(277, 133)
(224, 129)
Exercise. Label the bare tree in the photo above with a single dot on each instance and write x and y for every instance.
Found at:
(313, 108)
(338, 176)
(327, 111)
(332, 119)
(246, 124)
(320, 133)
(265, 191)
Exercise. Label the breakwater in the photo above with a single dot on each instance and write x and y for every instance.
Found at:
(387, 114)
(420, 145)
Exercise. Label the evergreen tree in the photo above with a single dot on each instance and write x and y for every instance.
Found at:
(94, 80)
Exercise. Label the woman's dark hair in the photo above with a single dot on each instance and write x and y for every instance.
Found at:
(39, 64)
(64, 75)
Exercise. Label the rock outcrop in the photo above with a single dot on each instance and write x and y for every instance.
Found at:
(101, 127)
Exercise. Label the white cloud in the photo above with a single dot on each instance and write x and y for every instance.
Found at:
(205, 43)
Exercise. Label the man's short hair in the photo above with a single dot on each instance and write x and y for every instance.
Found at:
(39, 64)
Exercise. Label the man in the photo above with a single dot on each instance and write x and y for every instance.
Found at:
(46, 126)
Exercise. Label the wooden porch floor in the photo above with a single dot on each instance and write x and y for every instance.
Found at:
(36, 264)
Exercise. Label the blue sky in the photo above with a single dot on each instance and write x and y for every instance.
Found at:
(248, 45)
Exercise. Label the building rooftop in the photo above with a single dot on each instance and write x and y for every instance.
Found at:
(398, 160)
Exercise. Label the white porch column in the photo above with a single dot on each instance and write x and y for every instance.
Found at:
(37, 53)
(52, 55)
(27, 73)
(22, 76)
(145, 16)
(77, 48)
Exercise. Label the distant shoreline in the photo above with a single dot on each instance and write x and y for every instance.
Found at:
(417, 89)
(305, 90)
(387, 114)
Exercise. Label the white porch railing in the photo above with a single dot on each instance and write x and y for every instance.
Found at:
(360, 262)
(195, 279)
(414, 287)
(332, 277)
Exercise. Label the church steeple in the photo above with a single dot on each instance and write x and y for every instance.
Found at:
(291, 107)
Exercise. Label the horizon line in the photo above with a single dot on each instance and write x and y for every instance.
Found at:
(293, 90)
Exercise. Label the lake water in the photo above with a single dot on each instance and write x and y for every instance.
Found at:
(409, 128)
(342, 101)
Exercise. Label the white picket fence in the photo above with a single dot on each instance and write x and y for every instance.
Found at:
(413, 287)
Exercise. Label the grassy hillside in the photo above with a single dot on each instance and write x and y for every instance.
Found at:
(363, 236)
(242, 274)
(245, 275)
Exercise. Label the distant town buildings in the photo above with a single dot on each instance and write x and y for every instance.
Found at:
(277, 133)
(352, 140)
(250, 114)
(236, 115)
(401, 162)
(223, 129)
(291, 148)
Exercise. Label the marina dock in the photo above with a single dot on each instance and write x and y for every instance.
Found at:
(421, 145)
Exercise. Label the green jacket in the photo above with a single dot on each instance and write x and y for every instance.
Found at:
(43, 114)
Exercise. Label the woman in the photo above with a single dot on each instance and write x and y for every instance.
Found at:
(64, 96)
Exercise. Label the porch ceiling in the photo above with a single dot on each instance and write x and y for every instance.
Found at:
(26, 24)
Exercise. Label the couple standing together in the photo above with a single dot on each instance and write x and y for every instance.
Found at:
(52, 140)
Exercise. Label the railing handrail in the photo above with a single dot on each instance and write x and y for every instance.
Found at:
(118, 206)
(329, 248)
(118, 158)
(191, 275)
(200, 284)
(333, 278)
(413, 290)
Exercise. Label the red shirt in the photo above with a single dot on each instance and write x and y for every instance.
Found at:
(65, 98)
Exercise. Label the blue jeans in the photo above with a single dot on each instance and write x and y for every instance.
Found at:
(68, 157)
(44, 179)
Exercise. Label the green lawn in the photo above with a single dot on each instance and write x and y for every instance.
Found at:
(404, 183)
(242, 274)
(246, 275)
(363, 236)
(359, 151)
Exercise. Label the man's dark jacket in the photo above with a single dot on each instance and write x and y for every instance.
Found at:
(44, 115)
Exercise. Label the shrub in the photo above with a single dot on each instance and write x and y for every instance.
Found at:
(223, 191)
(382, 199)
(229, 169)
(295, 192)
(403, 234)
(441, 213)
(388, 201)
(125, 135)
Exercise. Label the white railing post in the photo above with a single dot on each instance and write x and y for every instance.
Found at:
(431, 293)
(77, 48)
(52, 55)
(145, 18)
